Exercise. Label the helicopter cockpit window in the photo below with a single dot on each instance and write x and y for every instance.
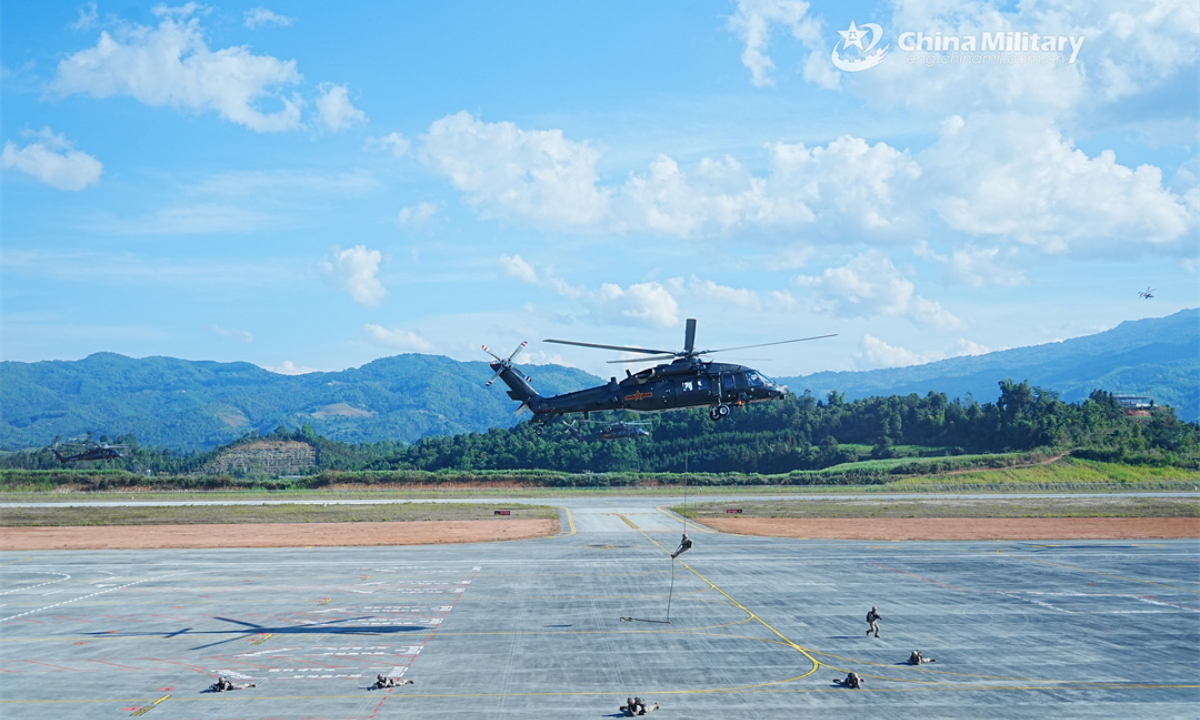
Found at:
(755, 379)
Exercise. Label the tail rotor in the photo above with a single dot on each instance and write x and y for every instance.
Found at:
(505, 363)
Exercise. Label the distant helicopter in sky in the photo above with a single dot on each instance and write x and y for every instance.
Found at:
(685, 382)
(1148, 293)
(87, 450)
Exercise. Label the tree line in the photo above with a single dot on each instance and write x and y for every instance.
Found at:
(800, 432)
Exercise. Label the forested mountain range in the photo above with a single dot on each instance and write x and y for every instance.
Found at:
(1158, 357)
(188, 405)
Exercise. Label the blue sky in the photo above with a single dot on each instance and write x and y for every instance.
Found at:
(310, 187)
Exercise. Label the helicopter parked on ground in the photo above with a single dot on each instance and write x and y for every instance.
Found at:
(87, 450)
(620, 430)
(687, 381)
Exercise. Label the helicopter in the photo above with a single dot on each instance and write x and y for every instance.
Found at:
(1149, 293)
(91, 450)
(686, 382)
(620, 430)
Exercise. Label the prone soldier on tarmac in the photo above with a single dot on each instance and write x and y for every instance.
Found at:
(873, 620)
(918, 659)
(636, 706)
(383, 681)
(223, 685)
(853, 681)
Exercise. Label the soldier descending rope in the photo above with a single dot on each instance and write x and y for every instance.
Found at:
(684, 545)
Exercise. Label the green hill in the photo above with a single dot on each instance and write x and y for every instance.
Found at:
(189, 405)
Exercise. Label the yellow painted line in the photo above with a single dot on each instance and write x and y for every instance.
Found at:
(14, 562)
(1095, 572)
(629, 522)
(149, 707)
(688, 524)
(816, 664)
(262, 639)
(570, 521)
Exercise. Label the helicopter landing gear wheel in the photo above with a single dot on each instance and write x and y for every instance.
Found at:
(537, 430)
(718, 412)
(722, 410)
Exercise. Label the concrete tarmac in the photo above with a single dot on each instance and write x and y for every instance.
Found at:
(570, 626)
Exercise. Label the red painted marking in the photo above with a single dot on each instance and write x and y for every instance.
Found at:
(81, 643)
(60, 667)
(102, 662)
(190, 667)
(925, 579)
(167, 689)
(131, 709)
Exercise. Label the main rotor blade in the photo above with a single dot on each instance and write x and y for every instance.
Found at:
(781, 342)
(689, 337)
(669, 353)
(643, 359)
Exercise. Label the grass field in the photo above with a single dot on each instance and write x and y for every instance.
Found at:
(1031, 507)
(251, 514)
(1062, 475)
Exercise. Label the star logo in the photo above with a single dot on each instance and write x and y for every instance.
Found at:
(852, 37)
(863, 57)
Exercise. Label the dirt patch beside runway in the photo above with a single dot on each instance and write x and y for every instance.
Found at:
(1082, 528)
(344, 534)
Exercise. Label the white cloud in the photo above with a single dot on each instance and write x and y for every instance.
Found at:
(540, 178)
(753, 23)
(870, 285)
(724, 295)
(977, 267)
(354, 270)
(649, 303)
(335, 109)
(1016, 178)
(261, 16)
(417, 215)
(395, 143)
(53, 160)
(397, 339)
(877, 353)
(192, 219)
(515, 266)
(88, 17)
(528, 177)
(171, 65)
(287, 367)
(241, 336)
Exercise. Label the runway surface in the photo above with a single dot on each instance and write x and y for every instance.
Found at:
(738, 627)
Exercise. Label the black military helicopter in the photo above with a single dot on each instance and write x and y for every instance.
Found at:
(88, 450)
(1149, 293)
(620, 430)
(685, 382)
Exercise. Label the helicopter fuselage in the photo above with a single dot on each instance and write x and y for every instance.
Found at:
(685, 383)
